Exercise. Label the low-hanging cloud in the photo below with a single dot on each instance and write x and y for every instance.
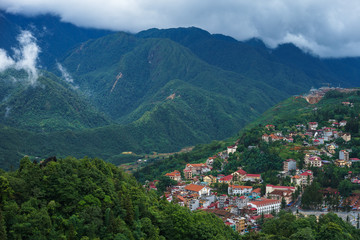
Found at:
(25, 57)
(325, 28)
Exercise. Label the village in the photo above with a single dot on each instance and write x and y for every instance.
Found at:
(245, 201)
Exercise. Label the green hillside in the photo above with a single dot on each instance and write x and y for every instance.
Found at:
(287, 67)
(91, 199)
(49, 105)
(147, 65)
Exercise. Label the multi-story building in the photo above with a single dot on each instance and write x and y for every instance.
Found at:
(289, 164)
(265, 206)
(312, 161)
(175, 175)
(239, 190)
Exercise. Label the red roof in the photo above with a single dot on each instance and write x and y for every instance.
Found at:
(238, 186)
(227, 178)
(253, 175)
(257, 190)
(241, 172)
(264, 202)
(174, 173)
(307, 173)
(194, 187)
(285, 187)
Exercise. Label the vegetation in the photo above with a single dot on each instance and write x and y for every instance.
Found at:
(92, 199)
(289, 226)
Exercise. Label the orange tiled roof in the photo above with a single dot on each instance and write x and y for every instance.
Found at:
(194, 187)
(238, 186)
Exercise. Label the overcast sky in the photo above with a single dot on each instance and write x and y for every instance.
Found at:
(328, 28)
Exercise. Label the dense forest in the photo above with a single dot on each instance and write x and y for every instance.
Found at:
(92, 199)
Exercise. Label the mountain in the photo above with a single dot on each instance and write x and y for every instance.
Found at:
(49, 105)
(54, 36)
(286, 67)
(158, 90)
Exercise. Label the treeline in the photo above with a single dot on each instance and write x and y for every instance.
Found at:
(289, 226)
(92, 199)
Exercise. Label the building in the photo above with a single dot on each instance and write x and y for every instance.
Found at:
(252, 177)
(343, 163)
(289, 164)
(306, 177)
(346, 137)
(194, 204)
(281, 194)
(265, 206)
(342, 123)
(210, 179)
(270, 188)
(231, 149)
(239, 175)
(239, 190)
(241, 225)
(313, 126)
(196, 169)
(312, 161)
(200, 190)
(175, 175)
(227, 179)
(344, 155)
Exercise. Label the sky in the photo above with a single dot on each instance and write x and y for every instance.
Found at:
(326, 28)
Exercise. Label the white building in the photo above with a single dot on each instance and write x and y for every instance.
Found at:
(239, 190)
(266, 206)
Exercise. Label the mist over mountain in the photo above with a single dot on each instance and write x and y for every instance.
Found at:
(100, 93)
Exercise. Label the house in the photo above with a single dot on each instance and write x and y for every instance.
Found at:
(312, 161)
(256, 192)
(239, 174)
(227, 179)
(270, 188)
(269, 126)
(200, 190)
(241, 225)
(346, 137)
(175, 175)
(252, 178)
(194, 204)
(306, 177)
(313, 125)
(239, 190)
(210, 179)
(343, 163)
(289, 164)
(281, 194)
(210, 161)
(344, 155)
(188, 174)
(342, 123)
(265, 206)
(231, 149)
(196, 168)
(296, 179)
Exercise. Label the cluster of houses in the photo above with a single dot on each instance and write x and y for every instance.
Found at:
(244, 205)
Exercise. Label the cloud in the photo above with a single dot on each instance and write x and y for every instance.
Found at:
(25, 57)
(64, 73)
(328, 28)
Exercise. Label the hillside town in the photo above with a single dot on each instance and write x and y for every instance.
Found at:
(241, 199)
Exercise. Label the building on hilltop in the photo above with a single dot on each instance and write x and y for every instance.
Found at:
(175, 175)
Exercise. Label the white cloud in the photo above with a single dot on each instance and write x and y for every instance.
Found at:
(328, 28)
(65, 74)
(25, 56)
